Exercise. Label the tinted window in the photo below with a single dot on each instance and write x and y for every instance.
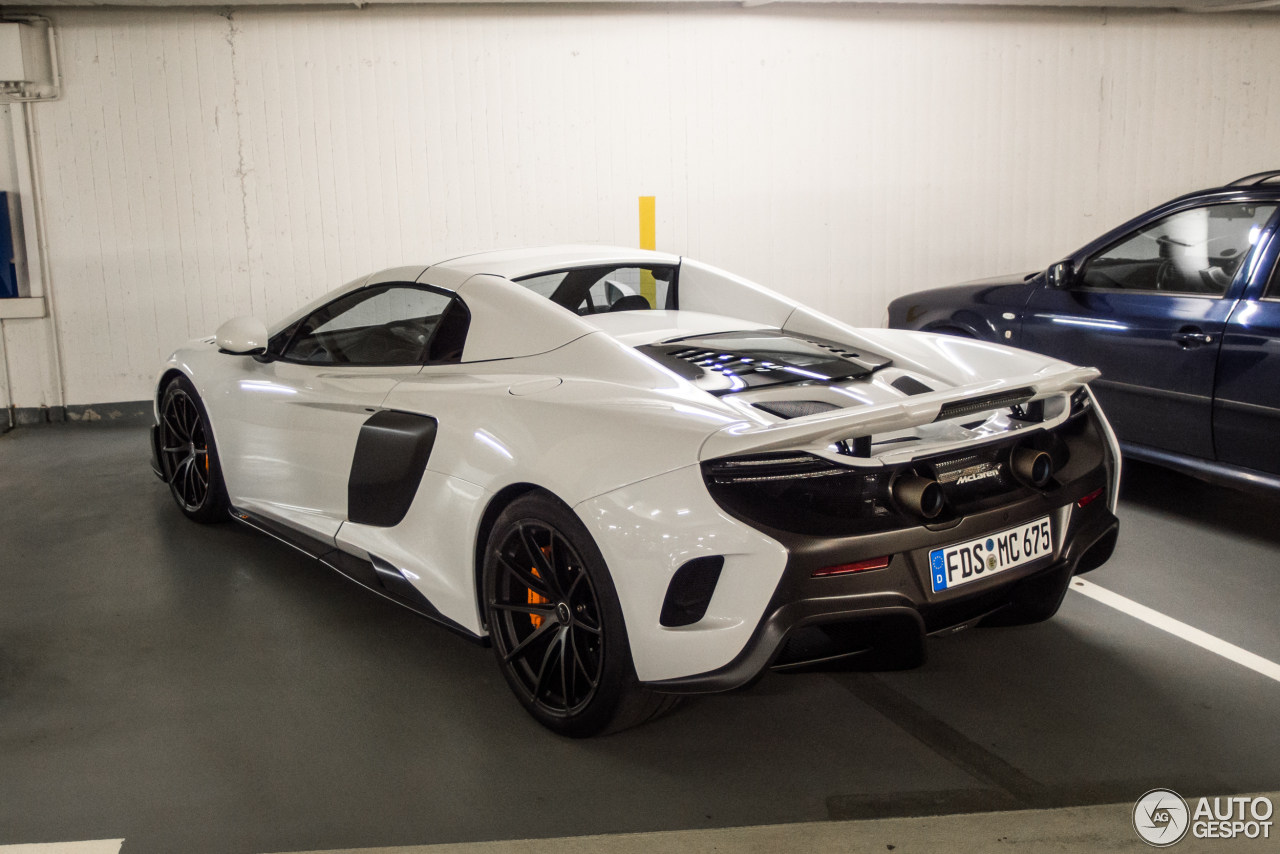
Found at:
(1273, 284)
(597, 290)
(384, 325)
(1195, 251)
(275, 347)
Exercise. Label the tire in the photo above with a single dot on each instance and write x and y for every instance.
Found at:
(188, 455)
(1035, 600)
(557, 631)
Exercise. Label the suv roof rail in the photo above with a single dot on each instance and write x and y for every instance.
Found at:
(1255, 179)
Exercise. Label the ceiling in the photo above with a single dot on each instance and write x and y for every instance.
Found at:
(1190, 6)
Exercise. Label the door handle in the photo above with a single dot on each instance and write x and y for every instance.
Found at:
(1190, 336)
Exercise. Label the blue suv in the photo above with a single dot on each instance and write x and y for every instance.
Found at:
(1180, 310)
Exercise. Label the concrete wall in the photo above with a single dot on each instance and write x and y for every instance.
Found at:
(202, 166)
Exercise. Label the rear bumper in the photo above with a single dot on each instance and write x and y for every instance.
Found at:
(887, 614)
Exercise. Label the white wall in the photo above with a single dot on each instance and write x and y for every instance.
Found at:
(201, 166)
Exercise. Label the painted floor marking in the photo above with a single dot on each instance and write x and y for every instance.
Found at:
(1201, 639)
(92, 846)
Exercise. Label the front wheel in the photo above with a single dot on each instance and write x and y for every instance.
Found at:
(556, 624)
(188, 454)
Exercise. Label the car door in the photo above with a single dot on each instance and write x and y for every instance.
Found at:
(1246, 407)
(296, 414)
(1149, 311)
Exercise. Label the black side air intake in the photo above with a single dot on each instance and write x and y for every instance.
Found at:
(391, 454)
(690, 591)
(394, 581)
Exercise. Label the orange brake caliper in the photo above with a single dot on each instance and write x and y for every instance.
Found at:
(534, 598)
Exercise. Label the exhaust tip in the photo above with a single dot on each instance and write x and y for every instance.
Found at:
(1034, 468)
(919, 495)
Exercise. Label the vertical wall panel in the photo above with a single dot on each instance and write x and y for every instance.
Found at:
(202, 166)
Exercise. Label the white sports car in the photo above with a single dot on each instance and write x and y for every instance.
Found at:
(639, 476)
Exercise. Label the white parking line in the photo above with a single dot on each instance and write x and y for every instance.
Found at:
(1174, 627)
(92, 846)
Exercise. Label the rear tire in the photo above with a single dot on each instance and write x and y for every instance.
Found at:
(556, 624)
(189, 456)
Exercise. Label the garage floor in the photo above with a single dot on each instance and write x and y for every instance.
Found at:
(206, 689)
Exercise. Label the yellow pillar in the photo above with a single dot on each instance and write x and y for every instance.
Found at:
(648, 240)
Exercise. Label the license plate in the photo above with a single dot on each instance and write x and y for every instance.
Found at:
(952, 566)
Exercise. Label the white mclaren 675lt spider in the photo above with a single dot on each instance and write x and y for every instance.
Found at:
(639, 477)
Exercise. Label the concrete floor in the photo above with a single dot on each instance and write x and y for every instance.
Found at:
(205, 689)
(1087, 830)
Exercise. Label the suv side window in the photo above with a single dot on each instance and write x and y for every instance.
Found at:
(1273, 284)
(382, 325)
(597, 290)
(1194, 252)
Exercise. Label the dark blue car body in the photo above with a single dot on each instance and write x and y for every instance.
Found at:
(1189, 380)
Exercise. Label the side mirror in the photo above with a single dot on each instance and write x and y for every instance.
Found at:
(1061, 275)
(242, 336)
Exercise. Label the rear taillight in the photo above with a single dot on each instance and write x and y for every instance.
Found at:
(766, 468)
(847, 568)
(1091, 497)
(804, 493)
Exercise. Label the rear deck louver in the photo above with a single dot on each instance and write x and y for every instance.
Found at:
(725, 362)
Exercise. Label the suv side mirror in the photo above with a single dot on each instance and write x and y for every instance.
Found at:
(1061, 275)
(242, 336)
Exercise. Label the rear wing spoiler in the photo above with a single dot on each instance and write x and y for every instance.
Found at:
(816, 433)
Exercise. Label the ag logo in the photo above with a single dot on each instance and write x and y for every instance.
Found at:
(1160, 817)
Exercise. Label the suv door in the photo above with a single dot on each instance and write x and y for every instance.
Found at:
(1149, 311)
(296, 414)
(1246, 406)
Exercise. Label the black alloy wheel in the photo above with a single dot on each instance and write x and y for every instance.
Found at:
(188, 455)
(556, 624)
(546, 619)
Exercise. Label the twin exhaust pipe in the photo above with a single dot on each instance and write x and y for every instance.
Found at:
(1034, 468)
(919, 495)
(923, 497)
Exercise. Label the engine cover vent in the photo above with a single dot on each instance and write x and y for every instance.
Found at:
(726, 362)
(910, 385)
(796, 408)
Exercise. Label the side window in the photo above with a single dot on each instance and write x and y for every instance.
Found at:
(382, 325)
(275, 347)
(597, 290)
(1194, 252)
(1273, 284)
(544, 285)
